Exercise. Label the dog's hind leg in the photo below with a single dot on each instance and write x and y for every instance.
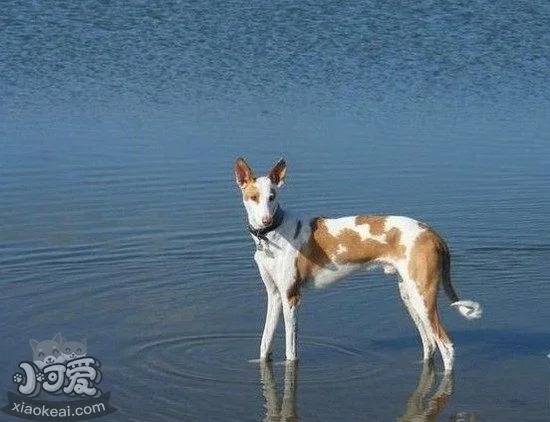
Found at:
(420, 297)
(416, 311)
(426, 267)
(444, 343)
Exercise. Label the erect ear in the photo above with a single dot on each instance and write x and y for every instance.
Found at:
(243, 173)
(58, 338)
(34, 344)
(278, 173)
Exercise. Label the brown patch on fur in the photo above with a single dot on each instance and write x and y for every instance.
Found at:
(376, 223)
(251, 191)
(293, 294)
(426, 259)
(315, 254)
(428, 262)
(362, 251)
(312, 257)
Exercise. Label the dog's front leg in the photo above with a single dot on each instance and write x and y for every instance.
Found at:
(272, 315)
(289, 314)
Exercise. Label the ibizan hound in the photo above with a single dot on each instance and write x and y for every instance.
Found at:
(291, 252)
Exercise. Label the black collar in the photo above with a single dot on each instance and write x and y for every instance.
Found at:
(277, 221)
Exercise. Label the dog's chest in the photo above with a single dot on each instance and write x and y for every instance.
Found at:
(278, 258)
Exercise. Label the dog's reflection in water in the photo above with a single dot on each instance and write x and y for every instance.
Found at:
(284, 410)
(423, 405)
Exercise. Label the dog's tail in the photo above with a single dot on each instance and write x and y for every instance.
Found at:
(467, 308)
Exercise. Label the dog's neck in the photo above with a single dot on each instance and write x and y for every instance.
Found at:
(290, 230)
(261, 233)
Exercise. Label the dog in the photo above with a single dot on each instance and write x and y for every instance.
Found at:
(291, 252)
(47, 352)
(74, 349)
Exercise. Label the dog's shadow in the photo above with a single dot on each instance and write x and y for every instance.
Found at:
(488, 342)
(424, 404)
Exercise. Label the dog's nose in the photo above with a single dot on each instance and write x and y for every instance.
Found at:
(266, 220)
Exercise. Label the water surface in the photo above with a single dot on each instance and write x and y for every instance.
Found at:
(120, 220)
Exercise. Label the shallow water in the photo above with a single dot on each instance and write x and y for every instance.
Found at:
(121, 223)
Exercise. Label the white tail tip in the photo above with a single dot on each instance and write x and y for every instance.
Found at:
(468, 309)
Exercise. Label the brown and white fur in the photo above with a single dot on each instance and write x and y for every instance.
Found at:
(292, 252)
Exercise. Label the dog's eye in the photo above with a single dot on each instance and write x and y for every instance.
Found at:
(271, 196)
(41, 355)
(254, 198)
(55, 352)
(79, 350)
(68, 350)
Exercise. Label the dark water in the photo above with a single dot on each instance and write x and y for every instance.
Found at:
(120, 221)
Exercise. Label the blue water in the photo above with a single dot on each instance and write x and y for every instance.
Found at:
(121, 222)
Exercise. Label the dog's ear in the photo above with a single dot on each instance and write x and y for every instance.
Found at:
(58, 338)
(243, 173)
(34, 344)
(278, 173)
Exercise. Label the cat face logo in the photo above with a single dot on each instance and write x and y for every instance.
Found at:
(57, 350)
(73, 349)
(47, 352)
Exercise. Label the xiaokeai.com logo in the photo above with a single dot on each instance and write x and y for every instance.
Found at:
(60, 368)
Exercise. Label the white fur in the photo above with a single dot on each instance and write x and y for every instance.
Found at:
(468, 308)
(328, 276)
(341, 249)
(257, 211)
(365, 233)
(410, 229)
(336, 225)
(417, 310)
(389, 269)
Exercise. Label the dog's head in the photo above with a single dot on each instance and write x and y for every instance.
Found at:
(260, 194)
(74, 349)
(47, 352)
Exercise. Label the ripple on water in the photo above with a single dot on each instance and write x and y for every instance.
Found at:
(221, 358)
